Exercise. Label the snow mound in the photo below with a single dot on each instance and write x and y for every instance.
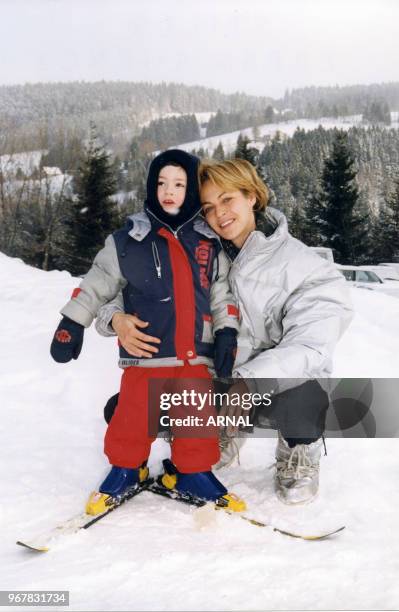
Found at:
(156, 554)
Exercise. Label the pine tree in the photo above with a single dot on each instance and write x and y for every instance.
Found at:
(218, 153)
(269, 114)
(137, 163)
(381, 248)
(377, 112)
(392, 228)
(243, 152)
(363, 237)
(313, 225)
(296, 221)
(93, 216)
(342, 228)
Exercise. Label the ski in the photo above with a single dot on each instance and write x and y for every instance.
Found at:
(190, 500)
(43, 542)
(83, 520)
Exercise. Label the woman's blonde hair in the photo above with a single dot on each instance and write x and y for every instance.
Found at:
(233, 175)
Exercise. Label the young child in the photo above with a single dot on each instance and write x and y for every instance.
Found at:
(172, 274)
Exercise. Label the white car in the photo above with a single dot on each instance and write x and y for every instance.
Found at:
(394, 266)
(384, 271)
(366, 277)
(324, 252)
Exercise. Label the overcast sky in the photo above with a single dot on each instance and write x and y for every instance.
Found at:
(257, 46)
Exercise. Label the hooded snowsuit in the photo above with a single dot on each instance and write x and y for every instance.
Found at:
(172, 274)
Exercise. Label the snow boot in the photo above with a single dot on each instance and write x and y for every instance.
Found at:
(119, 482)
(297, 473)
(199, 485)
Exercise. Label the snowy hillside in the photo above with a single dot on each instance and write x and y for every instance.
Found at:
(26, 162)
(151, 554)
(51, 185)
(229, 141)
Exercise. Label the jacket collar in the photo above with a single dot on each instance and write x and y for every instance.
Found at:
(258, 243)
(202, 227)
(255, 244)
(141, 226)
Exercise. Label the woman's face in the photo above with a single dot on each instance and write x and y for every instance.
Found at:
(229, 213)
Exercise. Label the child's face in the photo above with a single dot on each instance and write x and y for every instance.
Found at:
(171, 191)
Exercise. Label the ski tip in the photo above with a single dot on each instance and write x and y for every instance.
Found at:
(310, 538)
(32, 547)
(331, 533)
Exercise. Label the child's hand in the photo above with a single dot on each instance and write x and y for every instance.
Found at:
(132, 339)
(67, 341)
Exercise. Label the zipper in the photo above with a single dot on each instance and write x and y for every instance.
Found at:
(217, 267)
(157, 261)
(174, 232)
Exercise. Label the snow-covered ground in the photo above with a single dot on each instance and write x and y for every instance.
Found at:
(151, 554)
(27, 162)
(229, 141)
(51, 185)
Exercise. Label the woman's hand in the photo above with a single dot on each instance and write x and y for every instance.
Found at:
(229, 408)
(131, 338)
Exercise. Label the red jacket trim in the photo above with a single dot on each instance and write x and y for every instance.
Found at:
(232, 311)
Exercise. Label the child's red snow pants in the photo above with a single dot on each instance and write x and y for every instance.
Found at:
(127, 443)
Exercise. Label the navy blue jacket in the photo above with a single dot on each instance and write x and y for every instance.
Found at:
(169, 276)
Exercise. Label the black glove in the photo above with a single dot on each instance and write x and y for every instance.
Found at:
(67, 341)
(225, 351)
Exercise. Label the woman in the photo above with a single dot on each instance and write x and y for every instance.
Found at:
(294, 306)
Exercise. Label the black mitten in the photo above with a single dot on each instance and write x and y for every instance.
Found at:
(225, 351)
(67, 341)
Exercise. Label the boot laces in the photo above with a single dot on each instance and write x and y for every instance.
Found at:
(299, 463)
(224, 443)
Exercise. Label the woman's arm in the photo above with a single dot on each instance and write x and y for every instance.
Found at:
(315, 316)
(223, 305)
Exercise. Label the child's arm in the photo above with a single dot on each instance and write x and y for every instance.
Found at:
(100, 285)
(225, 318)
(106, 312)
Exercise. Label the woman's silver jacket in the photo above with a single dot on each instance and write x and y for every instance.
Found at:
(294, 307)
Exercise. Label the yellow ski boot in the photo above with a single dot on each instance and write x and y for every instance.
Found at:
(118, 485)
(200, 486)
